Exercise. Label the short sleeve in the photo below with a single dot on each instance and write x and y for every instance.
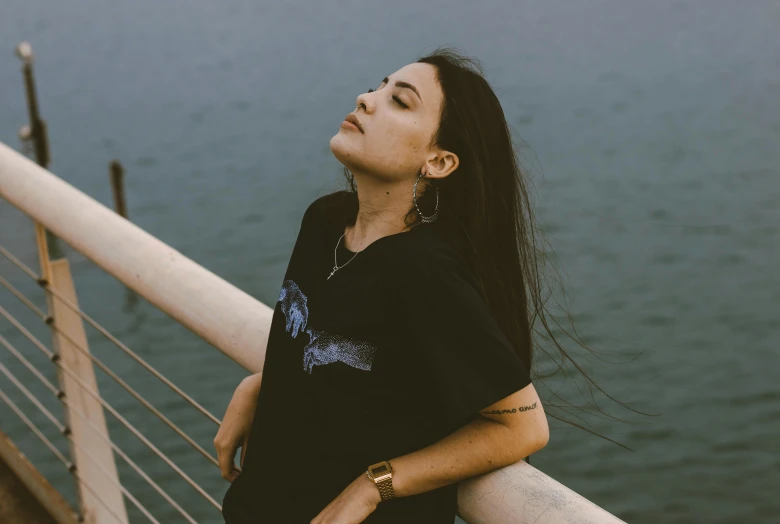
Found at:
(460, 353)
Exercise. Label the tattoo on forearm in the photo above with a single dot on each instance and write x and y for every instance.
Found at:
(513, 410)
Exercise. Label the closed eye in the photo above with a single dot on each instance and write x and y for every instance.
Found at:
(397, 100)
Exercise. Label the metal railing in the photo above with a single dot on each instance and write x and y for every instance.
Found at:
(220, 313)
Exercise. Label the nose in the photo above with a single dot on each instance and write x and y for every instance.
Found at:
(363, 100)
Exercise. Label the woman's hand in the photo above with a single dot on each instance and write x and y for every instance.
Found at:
(353, 505)
(236, 425)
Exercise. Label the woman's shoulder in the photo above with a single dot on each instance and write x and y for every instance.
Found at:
(329, 207)
(432, 249)
(433, 264)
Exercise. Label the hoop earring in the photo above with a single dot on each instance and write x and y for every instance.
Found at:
(435, 214)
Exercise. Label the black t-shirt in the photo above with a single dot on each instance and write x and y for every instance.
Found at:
(391, 354)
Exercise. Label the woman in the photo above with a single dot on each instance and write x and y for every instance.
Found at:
(398, 361)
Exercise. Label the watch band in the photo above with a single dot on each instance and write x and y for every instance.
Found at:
(381, 474)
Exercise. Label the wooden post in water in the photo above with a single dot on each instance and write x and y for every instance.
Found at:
(118, 188)
(35, 132)
(120, 206)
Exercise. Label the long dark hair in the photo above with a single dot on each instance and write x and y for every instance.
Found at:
(488, 211)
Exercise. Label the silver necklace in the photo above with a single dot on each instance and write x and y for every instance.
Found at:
(336, 266)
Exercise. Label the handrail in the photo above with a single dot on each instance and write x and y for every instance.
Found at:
(238, 325)
(225, 316)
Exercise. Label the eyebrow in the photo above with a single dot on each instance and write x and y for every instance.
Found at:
(406, 85)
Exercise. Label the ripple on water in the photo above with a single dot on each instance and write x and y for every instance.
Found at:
(653, 435)
(657, 320)
(767, 396)
(667, 259)
(730, 446)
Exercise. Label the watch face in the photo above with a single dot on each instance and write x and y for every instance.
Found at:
(380, 470)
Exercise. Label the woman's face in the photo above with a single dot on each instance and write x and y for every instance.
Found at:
(398, 123)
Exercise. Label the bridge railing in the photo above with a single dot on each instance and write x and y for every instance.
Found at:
(217, 311)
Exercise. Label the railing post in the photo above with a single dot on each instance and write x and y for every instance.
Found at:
(56, 275)
(69, 326)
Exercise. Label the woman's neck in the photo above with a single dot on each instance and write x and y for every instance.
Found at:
(381, 211)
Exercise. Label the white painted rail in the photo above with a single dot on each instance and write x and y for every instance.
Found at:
(238, 325)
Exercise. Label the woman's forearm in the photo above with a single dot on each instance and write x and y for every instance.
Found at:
(476, 448)
(252, 383)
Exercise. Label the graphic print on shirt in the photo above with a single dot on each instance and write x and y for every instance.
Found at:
(294, 307)
(323, 347)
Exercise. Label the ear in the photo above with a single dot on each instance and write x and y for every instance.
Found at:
(444, 163)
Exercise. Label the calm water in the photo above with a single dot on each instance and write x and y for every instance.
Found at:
(652, 133)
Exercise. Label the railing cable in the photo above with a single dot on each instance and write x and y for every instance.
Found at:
(124, 385)
(56, 360)
(66, 431)
(43, 283)
(63, 397)
(71, 467)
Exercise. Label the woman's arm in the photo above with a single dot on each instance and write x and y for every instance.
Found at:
(236, 426)
(507, 431)
(252, 383)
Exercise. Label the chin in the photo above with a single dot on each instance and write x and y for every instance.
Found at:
(343, 149)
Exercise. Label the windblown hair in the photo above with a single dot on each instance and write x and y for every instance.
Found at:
(488, 211)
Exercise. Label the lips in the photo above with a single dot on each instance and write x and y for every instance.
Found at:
(352, 118)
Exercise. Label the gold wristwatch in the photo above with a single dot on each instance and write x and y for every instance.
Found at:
(381, 474)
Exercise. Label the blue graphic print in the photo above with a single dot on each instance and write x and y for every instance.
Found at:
(294, 307)
(322, 348)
